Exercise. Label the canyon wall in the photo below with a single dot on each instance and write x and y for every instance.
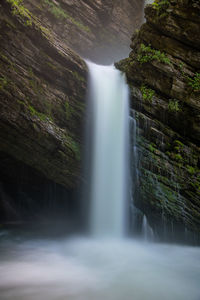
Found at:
(43, 86)
(98, 30)
(163, 71)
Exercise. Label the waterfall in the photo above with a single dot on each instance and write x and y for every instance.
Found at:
(109, 156)
(147, 231)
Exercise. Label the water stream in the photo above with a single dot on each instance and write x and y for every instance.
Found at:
(110, 143)
(105, 264)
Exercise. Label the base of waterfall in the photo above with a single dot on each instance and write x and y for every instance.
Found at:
(95, 269)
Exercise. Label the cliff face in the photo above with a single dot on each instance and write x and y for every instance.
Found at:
(42, 92)
(99, 30)
(43, 82)
(163, 71)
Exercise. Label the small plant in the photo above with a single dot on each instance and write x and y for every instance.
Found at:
(195, 82)
(152, 148)
(173, 105)
(191, 170)
(147, 94)
(148, 54)
(181, 68)
(178, 157)
(178, 146)
(160, 5)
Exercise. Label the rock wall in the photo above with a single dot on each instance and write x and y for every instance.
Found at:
(42, 90)
(163, 71)
(98, 30)
(42, 93)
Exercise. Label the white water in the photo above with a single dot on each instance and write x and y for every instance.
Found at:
(147, 231)
(90, 269)
(110, 142)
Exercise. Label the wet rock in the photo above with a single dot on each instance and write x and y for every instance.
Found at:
(42, 91)
(163, 73)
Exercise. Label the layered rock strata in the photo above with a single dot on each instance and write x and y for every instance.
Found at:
(43, 87)
(42, 91)
(163, 71)
(96, 30)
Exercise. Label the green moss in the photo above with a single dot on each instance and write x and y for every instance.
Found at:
(194, 82)
(160, 5)
(41, 116)
(53, 67)
(74, 146)
(45, 31)
(181, 68)
(19, 10)
(21, 103)
(178, 157)
(59, 13)
(178, 143)
(191, 170)
(73, 111)
(148, 54)
(80, 25)
(195, 185)
(173, 105)
(3, 82)
(68, 110)
(177, 153)
(160, 193)
(5, 59)
(78, 77)
(26, 17)
(55, 10)
(147, 94)
(152, 148)
(178, 146)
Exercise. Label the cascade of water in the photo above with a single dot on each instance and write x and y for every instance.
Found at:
(147, 231)
(108, 99)
(139, 221)
(134, 171)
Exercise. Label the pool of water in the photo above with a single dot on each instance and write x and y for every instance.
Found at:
(81, 268)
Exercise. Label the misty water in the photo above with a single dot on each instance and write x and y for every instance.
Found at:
(94, 269)
(105, 264)
(109, 140)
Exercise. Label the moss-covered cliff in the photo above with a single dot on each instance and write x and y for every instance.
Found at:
(163, 71)
(42, 90)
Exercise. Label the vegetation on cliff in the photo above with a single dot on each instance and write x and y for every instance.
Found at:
(42, 98)
(163, 74)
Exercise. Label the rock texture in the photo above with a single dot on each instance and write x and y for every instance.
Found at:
(42, 91)
(163, 71)
(99, 30)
